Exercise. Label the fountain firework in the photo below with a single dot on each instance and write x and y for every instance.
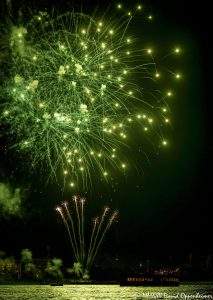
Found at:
(75, 225)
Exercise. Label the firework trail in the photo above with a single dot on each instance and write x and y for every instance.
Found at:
(96, 232)
(92, 256)
(72, 236)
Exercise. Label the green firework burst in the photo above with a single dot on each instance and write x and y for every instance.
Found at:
(76, 87)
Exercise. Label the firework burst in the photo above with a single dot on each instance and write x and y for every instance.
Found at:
(76, 87)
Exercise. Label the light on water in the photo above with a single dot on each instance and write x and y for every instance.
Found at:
(104, 292)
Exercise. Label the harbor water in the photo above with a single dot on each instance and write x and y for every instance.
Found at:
(105, 292)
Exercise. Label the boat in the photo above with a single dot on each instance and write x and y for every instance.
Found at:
(151, 278)
(56, 284)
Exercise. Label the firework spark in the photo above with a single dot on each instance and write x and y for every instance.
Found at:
(76, 87)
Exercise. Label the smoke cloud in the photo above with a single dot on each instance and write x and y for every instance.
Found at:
(10, 200)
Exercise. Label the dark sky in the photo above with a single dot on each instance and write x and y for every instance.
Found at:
(166, 211)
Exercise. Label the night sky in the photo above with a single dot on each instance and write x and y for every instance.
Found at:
(163, 212)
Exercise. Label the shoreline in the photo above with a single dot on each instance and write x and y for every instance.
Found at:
(95, 282)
